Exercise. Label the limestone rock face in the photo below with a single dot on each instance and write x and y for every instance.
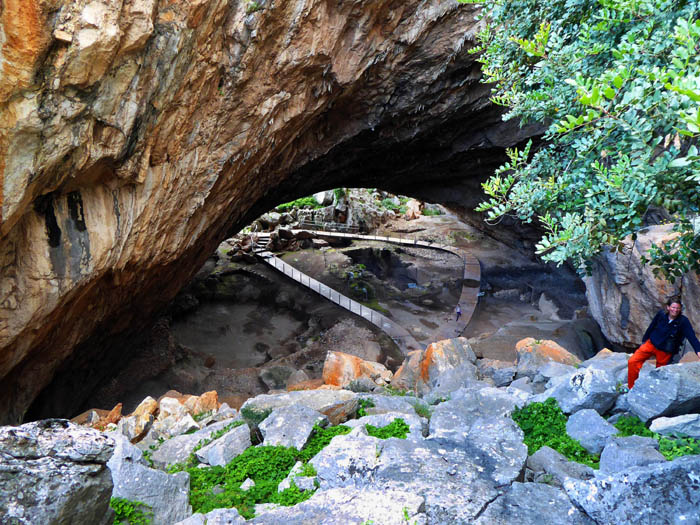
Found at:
(135, 134)
(623, 295)
(35, 455)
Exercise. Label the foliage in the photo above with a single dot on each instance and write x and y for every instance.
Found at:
(390, 205)
(544, 424)
(397, 428)
(319, 439)
(131, 512)
(304, 202)
(670, 447)
(423, 410)
(393, 391)
(203, 415)
(431, 211)
(253, 6)
(266, 466)
(364, 404)
(253, 416)
(615, 85)
(339, 193)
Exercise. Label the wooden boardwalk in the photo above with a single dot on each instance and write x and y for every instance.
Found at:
(403, 339)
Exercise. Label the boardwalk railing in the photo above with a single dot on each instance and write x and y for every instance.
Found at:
(398, 334)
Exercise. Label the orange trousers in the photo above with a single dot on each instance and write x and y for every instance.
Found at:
(644, 352)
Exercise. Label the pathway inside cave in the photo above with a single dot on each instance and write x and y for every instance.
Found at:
(401, 336)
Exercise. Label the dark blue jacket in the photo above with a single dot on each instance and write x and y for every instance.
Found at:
(668, 336)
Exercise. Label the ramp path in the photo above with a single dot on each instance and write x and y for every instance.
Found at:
(404, 340)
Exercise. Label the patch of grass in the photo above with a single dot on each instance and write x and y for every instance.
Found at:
(670, 447)
(423, 410)
(131, 512)
(253, 7)
(431, 211)
(397, 428)
(544, 424)
(308, 471)
(364, 405)
(393, 391)
(202, 415)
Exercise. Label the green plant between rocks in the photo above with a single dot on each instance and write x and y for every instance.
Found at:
(670, 447)
(266, 466)
(397, 428)
(254, 416)
(544, 424)
(364, 404)
(131, 512)
(304, 202)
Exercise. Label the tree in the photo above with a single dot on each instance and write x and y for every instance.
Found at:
(616, 85)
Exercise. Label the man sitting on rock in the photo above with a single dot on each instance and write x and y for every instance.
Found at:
(663, 339)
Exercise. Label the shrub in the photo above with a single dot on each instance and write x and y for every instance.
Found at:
(364, 405)
(131, 512)
(319, 439)
(300, 203)
(544, 424)
(397, 428)
(670, 447)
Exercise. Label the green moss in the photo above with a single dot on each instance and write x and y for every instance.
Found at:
(397, 428)
(131, 512)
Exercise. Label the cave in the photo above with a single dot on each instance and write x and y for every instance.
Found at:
(120, 179)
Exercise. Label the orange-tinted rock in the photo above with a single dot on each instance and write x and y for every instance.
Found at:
(112, 417)
(421, 368)
(207, 402)
(309, 384)
(534, 352)
(147, 407)
(341, 369)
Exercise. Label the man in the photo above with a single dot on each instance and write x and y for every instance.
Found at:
(663, 339)
(458, 311)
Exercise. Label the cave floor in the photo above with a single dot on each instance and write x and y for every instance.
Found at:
(227, 340)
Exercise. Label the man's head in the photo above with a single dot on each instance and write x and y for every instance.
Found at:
(674, 307)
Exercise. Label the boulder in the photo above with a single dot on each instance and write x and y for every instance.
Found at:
(349, 459)
(585, 388)
(588, 428)
(624, 294)
(166, 494)
(215, 517)
(548, 463)
(178, 448)
(341, 369)
(523, 384)
(686, 425)
(612, 362)
(533, 503)
(628, 497)
(207, 402)
(422, 369)
(53, 471)
(534, 353)
(622, 453)
(671, 390)
(303, 483)
(337, 405)
(501, 372)
(223, 449)
(552, 369)
(290, 426)
(349, 505)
